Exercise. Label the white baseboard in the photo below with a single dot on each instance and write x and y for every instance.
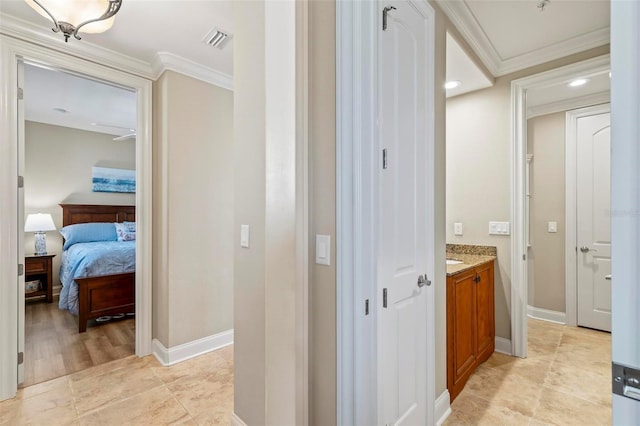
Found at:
(236, 421)
(546, 315)
(442, 409)
(503, 345)
(170, 356)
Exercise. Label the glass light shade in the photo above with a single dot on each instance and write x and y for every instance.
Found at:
(39, 222)
(76, 12)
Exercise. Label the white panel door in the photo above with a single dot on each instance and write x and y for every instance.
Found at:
(402, 110)
(594, 221)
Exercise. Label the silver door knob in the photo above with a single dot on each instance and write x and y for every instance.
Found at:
(422, 281)
(586, 249)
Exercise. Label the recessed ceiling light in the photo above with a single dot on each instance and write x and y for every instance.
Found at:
(578, 82)
(61, 110)
(452, 84)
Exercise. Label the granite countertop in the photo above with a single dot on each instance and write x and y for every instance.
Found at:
(470, 256)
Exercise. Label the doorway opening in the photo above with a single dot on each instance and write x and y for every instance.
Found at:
(537, 96)
(78, 149)
(15, 54)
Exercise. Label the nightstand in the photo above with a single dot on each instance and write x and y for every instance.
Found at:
(40, 268)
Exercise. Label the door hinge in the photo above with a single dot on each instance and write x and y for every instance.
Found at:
(20, 181)
(20, 358)
(384, 297)
(384, 159)
(20, 269)
(366, 307)
(524, 257)
(20, 94)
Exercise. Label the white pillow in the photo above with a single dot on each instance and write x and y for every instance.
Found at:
(126, 231)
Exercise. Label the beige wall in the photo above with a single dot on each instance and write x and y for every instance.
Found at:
(546, 141)
(322, 197)
(249, 263)
(193, 209)
(58, 162)
(478, 171)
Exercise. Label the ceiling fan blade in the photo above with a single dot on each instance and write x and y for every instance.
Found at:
(125, 137)
(113, 127)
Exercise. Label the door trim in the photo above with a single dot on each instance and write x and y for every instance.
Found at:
(625, 198)
(12, 50)
(519, 285)
(356, 72)
(571, 210)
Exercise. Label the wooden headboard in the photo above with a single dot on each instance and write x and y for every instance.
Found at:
(85, 213)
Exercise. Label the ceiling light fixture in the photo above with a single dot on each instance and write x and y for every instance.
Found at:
(452, 84)
(72, 16)
(578, 82)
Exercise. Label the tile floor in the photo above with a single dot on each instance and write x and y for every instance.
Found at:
(131, 391)
(565, 380)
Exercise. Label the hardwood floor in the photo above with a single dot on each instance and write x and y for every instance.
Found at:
(54, 348)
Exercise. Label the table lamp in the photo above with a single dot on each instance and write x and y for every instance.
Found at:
(39, 223)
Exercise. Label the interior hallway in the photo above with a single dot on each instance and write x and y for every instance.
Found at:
(565, 380)
(131, 391)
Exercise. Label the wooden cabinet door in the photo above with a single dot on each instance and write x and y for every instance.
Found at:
(485, 325)
(462, 320)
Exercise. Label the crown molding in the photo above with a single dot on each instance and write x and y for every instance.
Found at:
(36, 34)
(555, 51)
(168, 61)
(569, 104)
(463, 19)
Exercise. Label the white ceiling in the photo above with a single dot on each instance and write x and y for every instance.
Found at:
(599, 83)
(561, 97)
(85, 102)
(144, 27)
(507, 35)
(461, 68)
(510, 35)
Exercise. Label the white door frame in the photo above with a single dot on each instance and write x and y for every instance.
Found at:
(356, 68)
(519, 290)
(11, 51)
(625, 196)
(571, 211)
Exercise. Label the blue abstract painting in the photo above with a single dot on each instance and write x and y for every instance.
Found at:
(106, 179)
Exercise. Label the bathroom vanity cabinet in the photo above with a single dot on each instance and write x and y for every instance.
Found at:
(470, 322)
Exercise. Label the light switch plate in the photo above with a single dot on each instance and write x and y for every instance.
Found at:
(323, 249)
(552, 227)
(499, 228)
(244, 236)
(457, 228)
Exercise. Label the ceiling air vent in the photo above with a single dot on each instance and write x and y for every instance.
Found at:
(216, 38)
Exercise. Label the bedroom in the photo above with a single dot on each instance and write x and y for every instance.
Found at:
(69, 139)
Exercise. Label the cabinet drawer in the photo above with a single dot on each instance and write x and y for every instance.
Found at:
(36, 265)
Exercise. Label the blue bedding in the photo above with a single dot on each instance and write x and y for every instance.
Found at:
(89, 260)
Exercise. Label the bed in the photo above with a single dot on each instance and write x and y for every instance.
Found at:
(101, 295)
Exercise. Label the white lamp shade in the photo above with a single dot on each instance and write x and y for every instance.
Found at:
(76, 12)
(39, 222)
